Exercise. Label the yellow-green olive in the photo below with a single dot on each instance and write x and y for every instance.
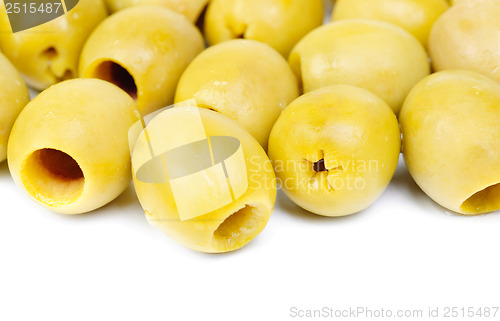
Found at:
(451, 140)
(217, 207)
(468, 37)
(370, 54)
(335, 149)
(143, 50)
(279, 23)
(69, 146)
(415, 16)
(243, 79)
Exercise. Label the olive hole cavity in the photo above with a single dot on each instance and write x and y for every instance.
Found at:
(238, 228)
(486, 200)
(53, 177)
(319, 166)
(116, 74)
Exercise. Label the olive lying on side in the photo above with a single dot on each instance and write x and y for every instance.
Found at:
(143, 50)
(69, 146)
(202, 179)
(451, 140)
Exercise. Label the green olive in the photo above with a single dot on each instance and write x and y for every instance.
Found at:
(143, 50)
(215, 208)
(335, 149)
(243, 79)
(451, 140)
(279, 23)
(370, 54)
(69, 146)
(415, 16)
(467, 37)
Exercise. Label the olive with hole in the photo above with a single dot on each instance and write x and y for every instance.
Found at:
(451, 140)
(143, 50)
(49, 53)
(219, 188)
(69, 146)
(14, 96)
(335, 149)
(245, 80)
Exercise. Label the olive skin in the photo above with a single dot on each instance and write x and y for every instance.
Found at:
(191, 9)
(13, 97)
(279, 23)
(467, 36)
(370, 54)
(415, 16)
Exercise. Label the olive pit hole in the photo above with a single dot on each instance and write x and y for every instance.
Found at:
(319, 166)
(114, 73)
(238, 228)
(52, 177)
(49, 53)
(484, 201)
(237, 31)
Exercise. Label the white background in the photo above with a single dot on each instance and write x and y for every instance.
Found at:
(404, 252)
